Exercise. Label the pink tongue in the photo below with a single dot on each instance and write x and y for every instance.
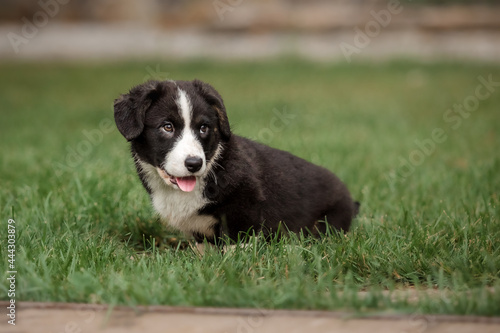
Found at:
(186, 184)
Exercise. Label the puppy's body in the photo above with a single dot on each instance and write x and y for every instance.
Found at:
(208, 182)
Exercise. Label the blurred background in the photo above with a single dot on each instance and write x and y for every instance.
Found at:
(365, 84)
(250, 29)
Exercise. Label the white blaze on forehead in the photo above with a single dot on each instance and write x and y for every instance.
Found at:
(187, 144)
(185, 107)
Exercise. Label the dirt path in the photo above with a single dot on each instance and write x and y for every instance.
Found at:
(80, 318)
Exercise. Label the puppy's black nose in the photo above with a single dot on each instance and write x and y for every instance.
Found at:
(193, 164)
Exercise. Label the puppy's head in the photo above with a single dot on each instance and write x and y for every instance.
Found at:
(178, 127)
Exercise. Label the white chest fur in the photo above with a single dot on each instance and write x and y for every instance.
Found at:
(179, 209)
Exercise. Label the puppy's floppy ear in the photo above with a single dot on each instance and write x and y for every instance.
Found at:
(130, 109)
(215, 100)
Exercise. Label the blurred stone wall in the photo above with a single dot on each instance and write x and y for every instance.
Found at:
(259, 15)
(249, 29)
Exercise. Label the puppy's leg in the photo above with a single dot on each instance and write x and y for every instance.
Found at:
(201, 248)
(339, 215)
(231, 248)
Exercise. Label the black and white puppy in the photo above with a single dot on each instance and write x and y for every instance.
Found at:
(207, 182)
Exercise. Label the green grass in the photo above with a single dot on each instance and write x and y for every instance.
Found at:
(86, 231)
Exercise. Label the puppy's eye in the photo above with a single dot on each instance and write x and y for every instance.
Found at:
(203, 129)
(168, 127)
